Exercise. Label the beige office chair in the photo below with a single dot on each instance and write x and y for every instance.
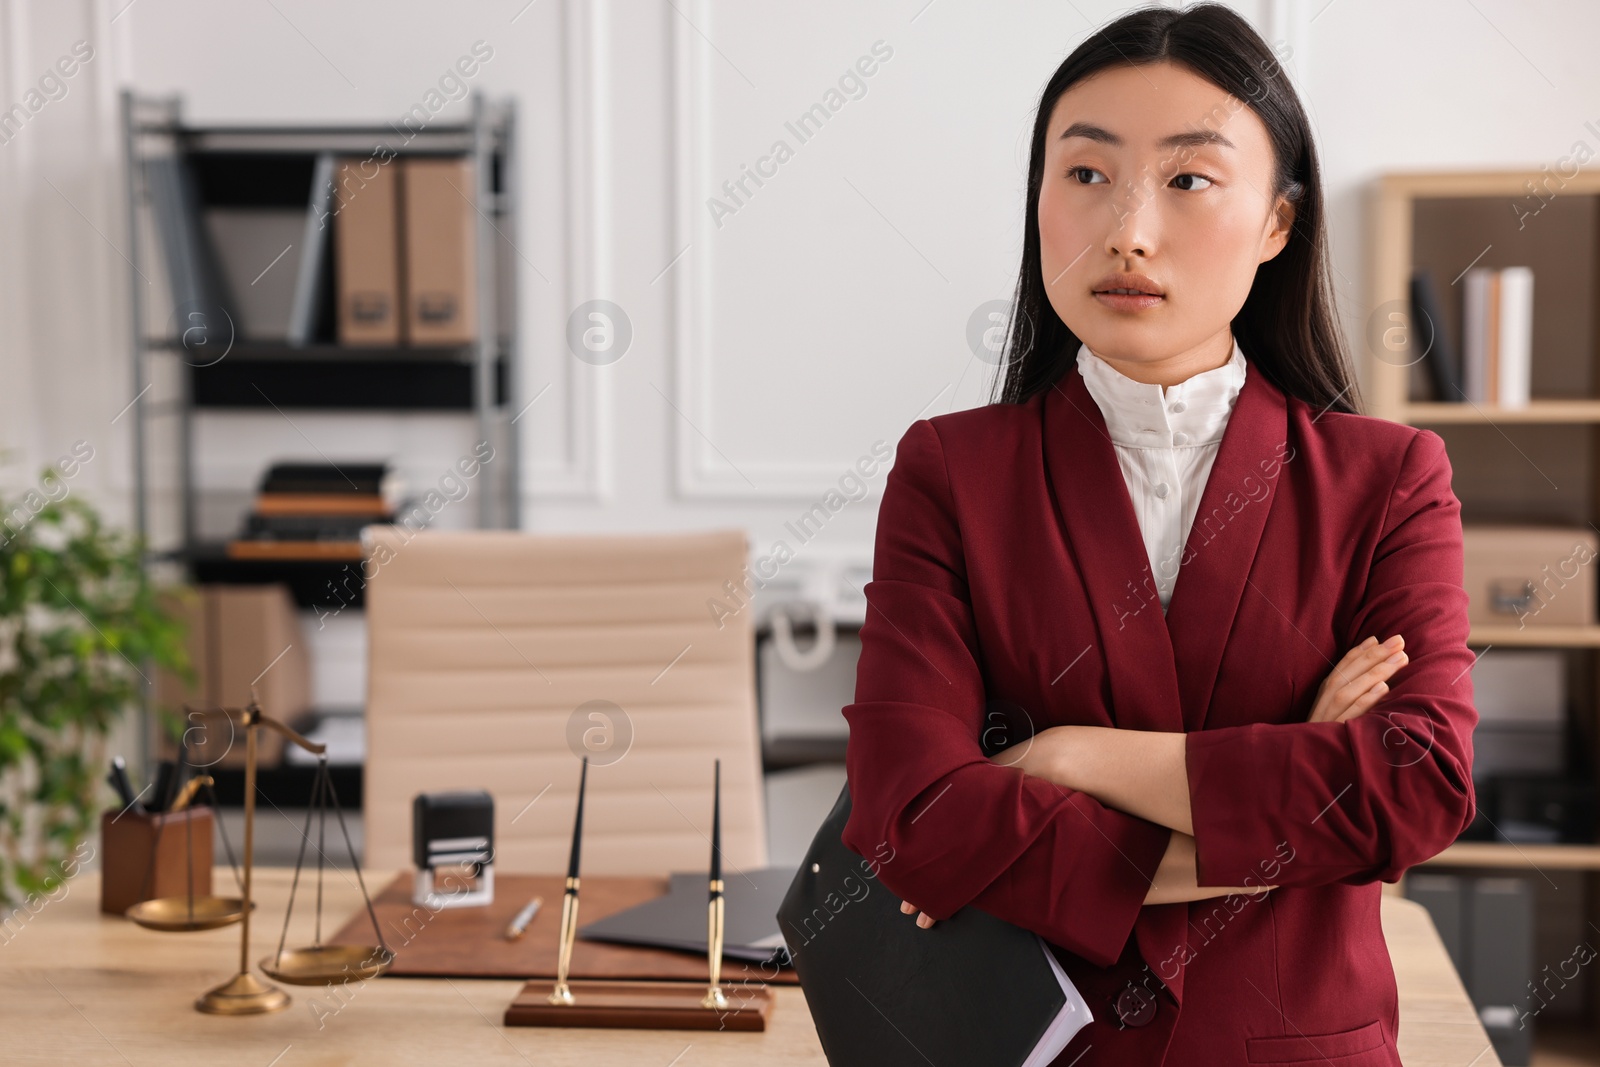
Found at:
(486, 648)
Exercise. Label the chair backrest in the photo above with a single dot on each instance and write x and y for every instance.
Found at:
(498, 658)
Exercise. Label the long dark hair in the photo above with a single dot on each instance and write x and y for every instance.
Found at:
(1286, 326)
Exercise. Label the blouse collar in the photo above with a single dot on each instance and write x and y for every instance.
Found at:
(1193, 412)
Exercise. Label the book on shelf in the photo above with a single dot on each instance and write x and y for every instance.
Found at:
(308, 527)
(316, 511)
(294, 551)
(1428, 329)
(308, 285)
(330, 478)
(331, 504)
(192, 268)
(1497, 335)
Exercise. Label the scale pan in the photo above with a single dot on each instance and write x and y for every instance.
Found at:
(174, 913)
(327, 964)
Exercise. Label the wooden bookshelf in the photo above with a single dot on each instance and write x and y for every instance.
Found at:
(1486, 232)
(1537, 464)
(1545, 411)
(1536, 636)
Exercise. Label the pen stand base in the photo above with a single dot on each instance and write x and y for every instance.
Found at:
(621, 1005)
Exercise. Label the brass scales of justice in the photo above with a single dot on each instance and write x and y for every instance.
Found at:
(319, 964)
(658, 1004)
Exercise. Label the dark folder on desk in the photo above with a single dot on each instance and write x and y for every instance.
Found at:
(678, 920)
(886, 993)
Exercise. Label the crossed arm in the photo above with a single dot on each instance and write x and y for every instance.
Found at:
(1139, 772)
(1145, 773)
(1075, 858)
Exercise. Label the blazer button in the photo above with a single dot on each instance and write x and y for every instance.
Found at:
(1135, 1006)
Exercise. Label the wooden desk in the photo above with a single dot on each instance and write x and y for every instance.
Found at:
(82, 988)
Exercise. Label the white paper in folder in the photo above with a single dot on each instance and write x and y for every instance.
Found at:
(1074, 1016)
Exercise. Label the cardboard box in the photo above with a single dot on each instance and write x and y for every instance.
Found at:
(239, 636)
(1530, 576)
(367, 200)
(441, 251)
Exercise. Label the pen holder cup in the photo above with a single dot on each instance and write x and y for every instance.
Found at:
(128, 847)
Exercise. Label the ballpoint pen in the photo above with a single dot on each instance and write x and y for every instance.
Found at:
(561, 992)
(715, 997)
(524, 917)
(190, 788)
(118, 778)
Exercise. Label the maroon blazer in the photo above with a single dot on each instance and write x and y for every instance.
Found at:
(1011, 592)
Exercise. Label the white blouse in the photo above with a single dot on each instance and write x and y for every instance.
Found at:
(1166, 444)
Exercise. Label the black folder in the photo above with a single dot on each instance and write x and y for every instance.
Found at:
(972, 989)
(678, 920)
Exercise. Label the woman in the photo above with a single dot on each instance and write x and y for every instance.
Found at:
(1196, 803)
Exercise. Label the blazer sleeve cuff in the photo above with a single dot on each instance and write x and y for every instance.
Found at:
(1093, 867)
(1234, 844)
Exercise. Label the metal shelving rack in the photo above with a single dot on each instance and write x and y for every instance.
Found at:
(482, 375)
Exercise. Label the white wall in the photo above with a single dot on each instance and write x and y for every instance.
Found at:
(772, 347)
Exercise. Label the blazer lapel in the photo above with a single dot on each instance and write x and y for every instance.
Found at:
(1163, 667)
(1221, 547)
(1092, 501)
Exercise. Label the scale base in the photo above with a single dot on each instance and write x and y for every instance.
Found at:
(242, 994)
(661, 1005)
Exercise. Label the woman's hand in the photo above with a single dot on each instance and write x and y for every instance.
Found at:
(1359, 680)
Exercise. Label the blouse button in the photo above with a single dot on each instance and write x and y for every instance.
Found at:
(1178, 407)
(1180, 438)
(1162, 490)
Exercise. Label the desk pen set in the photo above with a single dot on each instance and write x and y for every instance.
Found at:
(652, 1004)
(658, 1004)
